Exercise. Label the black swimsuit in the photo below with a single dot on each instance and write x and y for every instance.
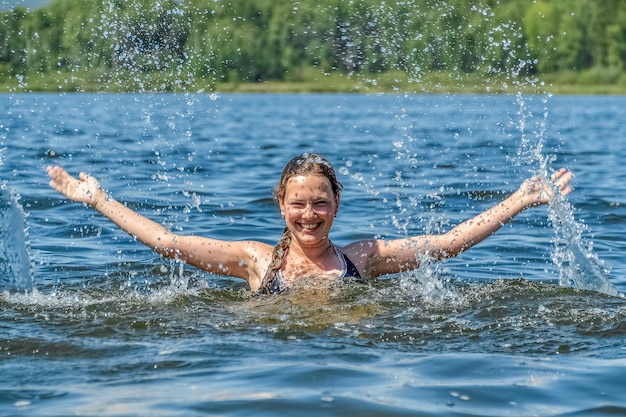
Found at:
(349, 273)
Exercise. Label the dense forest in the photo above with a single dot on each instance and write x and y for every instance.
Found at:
(184, 44)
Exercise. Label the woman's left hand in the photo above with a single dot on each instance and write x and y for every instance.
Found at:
(536, 191)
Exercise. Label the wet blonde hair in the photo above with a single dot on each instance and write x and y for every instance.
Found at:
(307, 163)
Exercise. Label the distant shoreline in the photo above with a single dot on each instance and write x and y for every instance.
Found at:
(385, 83)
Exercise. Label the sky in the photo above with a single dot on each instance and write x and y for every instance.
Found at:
(31, 4)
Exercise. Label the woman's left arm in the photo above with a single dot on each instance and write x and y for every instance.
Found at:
(533, 192)
(388, 257)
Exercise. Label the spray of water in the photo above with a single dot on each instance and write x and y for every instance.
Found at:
(15, 262)
(579, 267)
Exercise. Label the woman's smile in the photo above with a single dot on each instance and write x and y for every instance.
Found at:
(309, 227)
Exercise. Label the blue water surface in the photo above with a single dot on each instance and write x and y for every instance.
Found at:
(94, 323)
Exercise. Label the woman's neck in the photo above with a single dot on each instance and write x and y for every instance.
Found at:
(313, 261)
(315, 254)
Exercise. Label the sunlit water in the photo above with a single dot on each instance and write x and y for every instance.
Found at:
(93, 323)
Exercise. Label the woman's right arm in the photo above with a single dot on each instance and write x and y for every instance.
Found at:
(238, 259)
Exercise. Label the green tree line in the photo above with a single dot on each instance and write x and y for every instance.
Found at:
(168, 44)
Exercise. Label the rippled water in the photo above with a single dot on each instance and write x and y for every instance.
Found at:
(93, 323)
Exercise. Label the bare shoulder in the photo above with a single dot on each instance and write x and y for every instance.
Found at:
(255, 249)
(361, 253)
(374, 257)
(258, 256)
(361, 248)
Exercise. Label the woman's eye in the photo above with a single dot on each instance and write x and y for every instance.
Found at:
(322, 206)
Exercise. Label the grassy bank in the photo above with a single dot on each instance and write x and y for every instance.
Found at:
(590, 82)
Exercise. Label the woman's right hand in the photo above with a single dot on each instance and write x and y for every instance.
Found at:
(84, 189)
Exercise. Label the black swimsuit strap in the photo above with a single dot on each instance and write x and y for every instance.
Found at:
(351, 271)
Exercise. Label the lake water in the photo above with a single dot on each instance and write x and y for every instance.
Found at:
(93, 323)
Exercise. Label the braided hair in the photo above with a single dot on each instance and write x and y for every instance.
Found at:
(307, 163)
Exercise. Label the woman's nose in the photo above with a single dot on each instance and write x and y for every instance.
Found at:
(308, 210)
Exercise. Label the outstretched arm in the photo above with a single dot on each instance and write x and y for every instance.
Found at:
(388, 257)
(238, 259)
(533, 192)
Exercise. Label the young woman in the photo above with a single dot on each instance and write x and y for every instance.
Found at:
(308, 195)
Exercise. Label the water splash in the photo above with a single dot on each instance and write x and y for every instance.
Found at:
(15, 262)
(578, 265)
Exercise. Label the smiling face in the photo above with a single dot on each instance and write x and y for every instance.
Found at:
(309, 206)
